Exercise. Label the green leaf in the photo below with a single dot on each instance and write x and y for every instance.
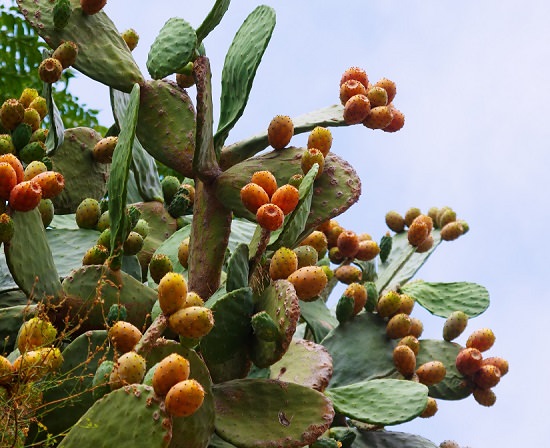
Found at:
(442, 299)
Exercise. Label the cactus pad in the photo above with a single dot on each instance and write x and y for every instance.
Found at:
(284, 414)
(390, 439)
(237, 269)
(318, 318)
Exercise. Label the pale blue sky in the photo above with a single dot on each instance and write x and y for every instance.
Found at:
(473, 83)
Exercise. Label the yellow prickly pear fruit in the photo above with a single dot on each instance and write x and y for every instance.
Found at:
(192, 322)
(170, 371)
(35, 333)
(6, 370)
(129, 369)
(389, 304)
(320, 138)
(308, 282)
(34, 168)
(318, 241)
(124, 336)
(368, 250)
(431, 408)
(172, 292)
(183, 252)
(411, 342)
(359, 295)
(309, 158)
(377, 96)
(27, 96)
(131, 37)
(193, 299)
(184, 398)
(104, 149)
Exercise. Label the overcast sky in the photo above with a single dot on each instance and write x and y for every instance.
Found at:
(472, 80)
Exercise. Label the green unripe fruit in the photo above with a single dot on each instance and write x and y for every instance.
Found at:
(170, 185)
(104, 221)
(95, 255)
(21, 136)
(32, 151)
(7, 228)
(142, 227)
(32, 118)
(328, 272)
(325, 442)
(159, 266)
(46, 209)
(133, 244)
(116, 312)
(148, 378)
(88, 213)
(105, 239)
(385, 247)
(306, 255)
(445, 217)
(344, 309)
(100, 383)
(6, 144)
(372, 297)
(345, 436)
(265, 328)
(377, 96)
(296, 180)
(40, 135)
(62, 11)
(411, 214)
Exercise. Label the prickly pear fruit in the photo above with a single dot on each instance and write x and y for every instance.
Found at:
(356, 73)
(348, 274)
(308, 282)
(184, 398)
(25, 196)
(296, 180)
(325, 442)
(449, 444)
(397, 122)
(185, 80)
(66, 53)
(104, 149)
(318, 241)
(91, 7)
(349, 89)
(307, 256)
(124, 336)
(419, 230)
(469, 361)
(183, 252)
(451, 231)
(426, 245)
(431, 372)
(21, 135)
(407, 304)
(482, 339)
(398, 326)
(430, 409)
(12, 113)
(62, 11)
(8, 180)
(335, 256)
(348, 243)
(32, 118)
(193, 299)
(286, 198)
(32, 151)
(142, 227)
(367, 250)
(485, 397)
(6, 144)
(27, 96)
(357, 109)
(395, 221)
(411, 342)
(359, 295)
(411, 214)
(379, 117)
(192, 322)
(389, 304)
(344, 309)
(116, 312)
(169, 185)
(129, 369)
(496, 361)
(15, 164)
(6, 370)
(50, 70)
(377, 96)
(40, 105)
(159, 266)
(310, 157)
(34, 168)
(454, 325)
(283, 263)
(270, 217)
(372, 297)
(170, 371)
(332, 230)
(389, 86)
(96, 254)
(172, 292)
(88, 213)
(35, 364)
(131, 37)
(100, 382)
(320, 138)
(105, 238)
(7, 228)
(133, 243)
(280, 131)
(265, 328)
(51, 183)
(445, 216)
(266, 180)
(487, 376)
(417, 327)
(253, 196)
(404, 360)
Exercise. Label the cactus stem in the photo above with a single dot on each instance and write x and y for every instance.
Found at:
(262, 246)
(149, 339)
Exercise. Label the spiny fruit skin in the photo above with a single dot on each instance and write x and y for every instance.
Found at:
(389, 86)
(129, 369)
(253, 196)
(51, 183)
(21, 136)
(451, 231)
(8, 180)
(105, 238)
(485, 397)
(398, 326)
(91, 7)
(348, 274)
(404, 360)
(397, 122)
(496, 361)
(431, 408)
(449, 444)
(286, 197)
(280, 131)
(426, 245)
(133, 243)
(62, 11)
(32, 151)
(50, 70)
(445, 216)
(367, 250)
(454, 325)
(183, 252)
(407, 304)
(131, 37)
(35, 364)
(356, 73)
(318, 241)
(104, 149)
(88, 213)
(389, 304)
(372, 297)
(7, 228)
(348, 243)
(296, 180)
(25, 196)
(487, 376)
(283, 263)
(32, 118)
(359, 294)
(431, 372)
(124, 336)
(310, 157)
(172, 292)
(411, 342)
(15, 164)
(142, 227)
(351, 88)
(66, 53)
(184, 398)
(170, 371)
(95, 255)
(379, 117)
(27, 96)
(35, 333)
(169, 185)
(357, 109)
(416, 327)
(100, 381)
(12, 113)
(377, 96)
(308, 282)
(419, 230)
(47, 211)
(320, 138)
(193, 299)
(159, 266)
(411, 214)
(468, 361)
(270, 217)
(6, 144)
(34, 168)
(6, 370)
(344, 309)
(185, 80)
(266, 180)
(307, 256)
(335, 256)
(482, 339)
(40, 105)
(192, 322)
(395, 221)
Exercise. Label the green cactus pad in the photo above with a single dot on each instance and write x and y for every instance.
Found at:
(376, 362)
(454, 386)
(84, 178)
(284, 414)
(193, 431)
(102, 53)
(217, 442)
(6, 280)
(305, 363)
(232, 330)
(390, 439)
(85, 285)
(172, 49)
(12, 317)
(442, 299)
(237, 269)
(333, 193)
(236, 367)
(30, 259)
(280, 301)
(213, 18)
(380, 401)
(403, 262)
(318, 317)
(72, 396)
(241, 62)
(140, 421)
(166, 125)
(240, 151)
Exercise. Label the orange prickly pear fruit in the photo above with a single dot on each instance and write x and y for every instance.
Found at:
(270, 217)
(25, 196)
(398, 326)
(419, 230)
(404, 360)
(359, 295)
(8, 180)
(397, 122)
(170, 371)
(368, 250)
(482, 339)
(485, 397)
(193, 299)
(426, 245)
(50, 70)
(487, 376)
(266, 180)
(357, 74)
(318, 241)
(51, 183)
(348, 274)
(389, 86)
(253, 196)
(309, 158)
(348, 243)
(280, 131)
(15, 164)
(496, 361)
(416, 327)
(357, 109)
(320, 138)
(184, 398)
(286, 198)
(104, 149)
(407, 304)
(124, 336)
(192, 322)
(172, 292)
(430, 409)
(411, 342)
(308, 282)
(351, 88)
(469, 361)
(283, 263)
(431, 372)
(379, 117)
(183, 252)
(66, 53)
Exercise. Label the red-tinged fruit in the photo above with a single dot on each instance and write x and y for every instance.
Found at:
(431, 372)
(270, 217)
(499, 362)
(308, 282)
(66, 53)
(348, 243)
(485, 397)
(286, 198)
(50, 70)
(357, 74)
(320, 138)
(8, 180)
(124, 336)
(51, 183)
(397, 122)
(426, 245)
(170, 371)
(280, 131)
(469, 361)
(455, 325)
(283, 263)
(253, 196)
(482, 339)
(91, 7)
(266, 180)
(404, 360)
(398, 326)
(172, 292)
(389, 86)
(357, 109)
(12, 113)
(487, 376)
(184, 398)
(379, 117)
(351, 88)
(25, 196)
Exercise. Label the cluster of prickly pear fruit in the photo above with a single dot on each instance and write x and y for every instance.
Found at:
(178, 197)
(64, 56)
